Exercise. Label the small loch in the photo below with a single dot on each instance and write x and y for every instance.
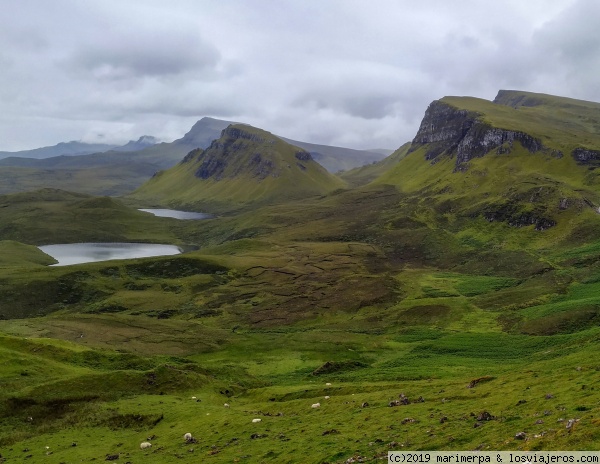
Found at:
(78, 253)
(173, 213)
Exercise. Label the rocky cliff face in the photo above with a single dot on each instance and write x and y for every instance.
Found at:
(450, 131)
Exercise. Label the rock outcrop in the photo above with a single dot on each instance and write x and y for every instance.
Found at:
(586, 157)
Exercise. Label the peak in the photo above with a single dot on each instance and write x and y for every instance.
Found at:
(209, 122)
(148, 140)
(203, 132)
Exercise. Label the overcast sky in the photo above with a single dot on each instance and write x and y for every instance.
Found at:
(343, 72)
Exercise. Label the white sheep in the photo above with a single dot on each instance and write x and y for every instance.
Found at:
(316, 405)
(226, 405)
(327, 397)
(328, 384)
(188, 437)
(145, 445)
(254, 421)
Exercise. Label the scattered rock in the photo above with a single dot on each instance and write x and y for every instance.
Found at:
(354, 459)
(443, 419)
(484, 416)
(563, 204)
(520, 436)
(479, 380)
(520, 402)
(571, 423)
(112, 457)
(549, 396)
(330, 432)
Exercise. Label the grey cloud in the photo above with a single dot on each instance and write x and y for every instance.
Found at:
(573, 37)
(353, 73)
(147, 55)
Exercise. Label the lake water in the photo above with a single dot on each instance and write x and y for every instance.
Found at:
(173, 213)
(77, 253)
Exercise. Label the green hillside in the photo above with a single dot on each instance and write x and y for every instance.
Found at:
(513, 168)
(245, 166)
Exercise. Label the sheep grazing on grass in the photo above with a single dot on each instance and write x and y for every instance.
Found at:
(226, 405)
(254, 421)
(327, 397)
(145, 445)
(316, 405)
(328, 384)
(189, 438)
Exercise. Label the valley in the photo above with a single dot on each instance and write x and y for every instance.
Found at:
(462, 272)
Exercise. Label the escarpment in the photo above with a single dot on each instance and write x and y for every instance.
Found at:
(450, 131)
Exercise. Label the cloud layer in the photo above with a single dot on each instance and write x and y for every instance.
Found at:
(356, 73)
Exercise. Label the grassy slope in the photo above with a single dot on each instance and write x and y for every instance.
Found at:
(365, 174)
(55, 216)
(115, 179)
(440, 334)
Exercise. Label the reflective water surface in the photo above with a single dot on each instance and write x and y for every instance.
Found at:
(173, 213)
(77, 253)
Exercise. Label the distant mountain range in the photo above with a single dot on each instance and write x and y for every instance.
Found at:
(68, 165)
(75, 148)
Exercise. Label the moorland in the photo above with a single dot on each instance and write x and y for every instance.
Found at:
(444, 298)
